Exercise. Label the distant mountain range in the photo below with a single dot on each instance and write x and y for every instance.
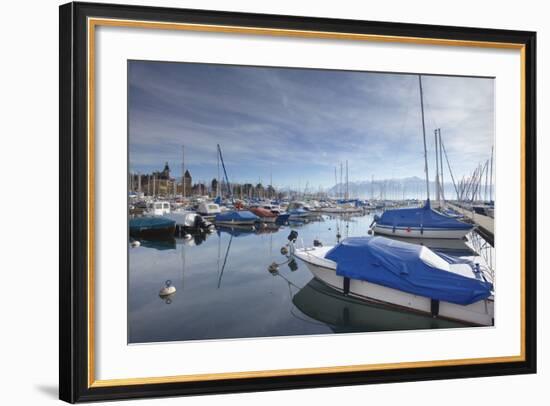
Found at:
(411, 187)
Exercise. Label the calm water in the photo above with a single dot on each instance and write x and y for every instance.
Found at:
(225, 290)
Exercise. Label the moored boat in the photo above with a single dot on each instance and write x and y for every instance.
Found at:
(159, 207)
(208, 209)
(236, 217)
(403, 275)
(152, 227)
(189, 221)
(420, 222)
(299, 213)
(282, 218)
(266, 216)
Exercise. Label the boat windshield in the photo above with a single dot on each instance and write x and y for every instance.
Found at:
(432, 259)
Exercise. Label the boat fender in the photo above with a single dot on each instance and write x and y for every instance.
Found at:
(292, 265)
(273, 268)
(434, 307)
(346, 285)
(293, 236)
(135, 244)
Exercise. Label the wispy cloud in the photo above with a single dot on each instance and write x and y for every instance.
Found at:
(300, 123)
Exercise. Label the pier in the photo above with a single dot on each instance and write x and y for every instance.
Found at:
(485, 224)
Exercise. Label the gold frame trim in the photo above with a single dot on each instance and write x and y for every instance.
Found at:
(94, 22)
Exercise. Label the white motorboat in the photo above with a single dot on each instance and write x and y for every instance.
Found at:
(189, 220)
(406, 276)
(159, 208)
(208, 209)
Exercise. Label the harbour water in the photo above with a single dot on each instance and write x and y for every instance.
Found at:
(226, 289)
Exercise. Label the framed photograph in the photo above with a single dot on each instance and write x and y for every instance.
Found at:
(258, 202)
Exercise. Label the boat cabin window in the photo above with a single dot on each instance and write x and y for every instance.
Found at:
(213, 207)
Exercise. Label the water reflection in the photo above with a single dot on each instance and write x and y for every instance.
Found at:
(346, 314)
(224, 288)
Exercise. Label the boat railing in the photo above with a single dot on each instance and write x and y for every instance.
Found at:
(486, 252)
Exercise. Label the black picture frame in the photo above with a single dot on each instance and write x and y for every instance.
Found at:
(74, 385)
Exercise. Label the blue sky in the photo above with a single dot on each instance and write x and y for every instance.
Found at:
(298, 124)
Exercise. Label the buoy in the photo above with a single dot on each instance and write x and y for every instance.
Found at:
(273, 268)
(187, 236)
(168, 289)
(135, 244)
(284, 250)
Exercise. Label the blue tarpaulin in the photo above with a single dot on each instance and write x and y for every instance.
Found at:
(421, 217)
(399, 265)
(237, 216)
(298, 212)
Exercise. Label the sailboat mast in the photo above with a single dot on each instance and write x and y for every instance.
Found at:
(183, 171)
(218, 185)
(442, 181)
(347, 181)
(424, 136)
(437, 191)
(341, 180)
(335, 182)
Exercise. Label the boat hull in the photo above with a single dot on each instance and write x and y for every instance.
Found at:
(480, 313)
(236, 223)
(161, 230)
(282, 218)
(414, 232)
(270, 219)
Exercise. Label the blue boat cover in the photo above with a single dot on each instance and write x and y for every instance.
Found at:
(398, 265)
(237, 216)
(298, 212)
(150, 223)
(421, 217)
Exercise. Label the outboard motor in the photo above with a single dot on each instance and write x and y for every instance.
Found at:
(201, 223)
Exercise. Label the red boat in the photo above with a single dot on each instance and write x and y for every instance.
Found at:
(266, 216)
